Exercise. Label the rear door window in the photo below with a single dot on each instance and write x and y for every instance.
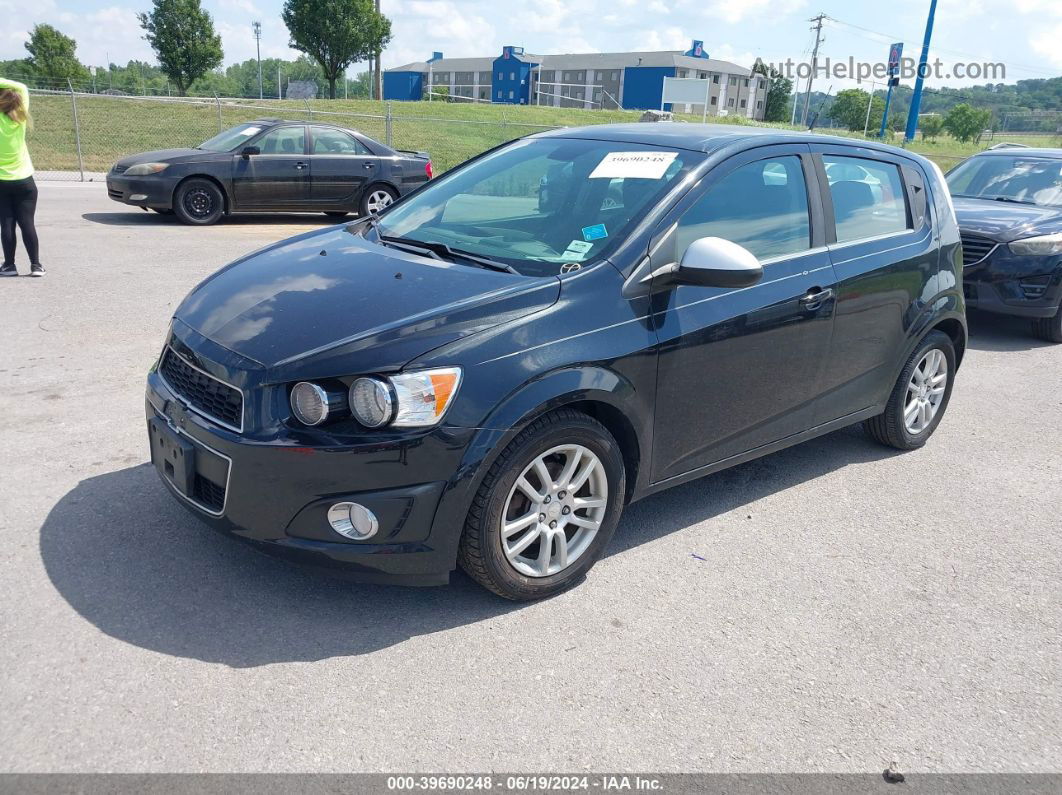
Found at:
(327, 141)
(868, 197)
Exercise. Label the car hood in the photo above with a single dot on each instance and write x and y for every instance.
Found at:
(166, 156)
(1006, 221)
(334, 303)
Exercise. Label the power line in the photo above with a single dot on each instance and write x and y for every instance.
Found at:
(885, 38)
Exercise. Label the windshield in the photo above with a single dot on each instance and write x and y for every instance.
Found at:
(541, 205)
(229, 139)
(1024, 179)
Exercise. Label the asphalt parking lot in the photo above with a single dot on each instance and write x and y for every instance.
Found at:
(833, 607)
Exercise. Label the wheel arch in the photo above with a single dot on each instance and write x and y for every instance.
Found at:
(598, 392)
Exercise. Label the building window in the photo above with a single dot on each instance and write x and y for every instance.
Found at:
(733, 81)
(715, 100)
(730, 102)
(511, 95)
(715, 79)
(702, 75)
(746, 83)
(759, 104)
(512, 75)
(483, 93)
(615, 75)
(744, 103)
(499, 95)
(599, 76)
(501, 75)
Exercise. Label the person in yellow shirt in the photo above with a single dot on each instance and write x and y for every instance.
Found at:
(18, 191)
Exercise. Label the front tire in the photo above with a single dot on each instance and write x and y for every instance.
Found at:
(920, 396)
(546, 509)
(376, 198)
(199, 202)
(1049, 328)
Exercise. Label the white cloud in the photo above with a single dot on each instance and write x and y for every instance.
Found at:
(732, 11)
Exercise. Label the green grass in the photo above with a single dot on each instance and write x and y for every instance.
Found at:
(115, 127)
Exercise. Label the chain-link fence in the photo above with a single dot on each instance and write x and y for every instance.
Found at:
(79, 136)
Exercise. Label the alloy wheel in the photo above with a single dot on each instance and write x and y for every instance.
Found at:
(554, 510)
(925, 391)
(377, 200)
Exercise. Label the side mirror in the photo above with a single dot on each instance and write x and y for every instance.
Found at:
(715, 262)
(247, 151)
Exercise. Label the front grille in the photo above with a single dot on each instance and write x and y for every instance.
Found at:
(115, 194)
(203, 392)
(975, 248)
(208, 493)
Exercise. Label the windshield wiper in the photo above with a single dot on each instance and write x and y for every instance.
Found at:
(1012, 201)
(442, 250)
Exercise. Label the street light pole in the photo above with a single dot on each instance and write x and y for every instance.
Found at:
(916, 98)
(257, 26)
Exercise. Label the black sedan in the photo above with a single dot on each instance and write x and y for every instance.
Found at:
(270, 165)
(1009, 206)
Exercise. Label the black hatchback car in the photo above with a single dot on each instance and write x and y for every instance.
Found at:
(270, 165)
(488, 371)
(1009, 206)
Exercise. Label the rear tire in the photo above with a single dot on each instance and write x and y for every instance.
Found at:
(1049, 328)
(911, 415)
(198, 202)
(376, 198)
(552, 541)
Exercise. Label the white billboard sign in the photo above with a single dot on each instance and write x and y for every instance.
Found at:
(686, 91)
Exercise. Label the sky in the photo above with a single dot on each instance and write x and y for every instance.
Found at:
(1024, 35)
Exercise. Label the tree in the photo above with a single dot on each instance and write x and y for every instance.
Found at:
(966, 123)
(898, 121)
(850, 109)
(336, 33)
(52, 55)
(931, 126)
(776, 107)
(182, 35)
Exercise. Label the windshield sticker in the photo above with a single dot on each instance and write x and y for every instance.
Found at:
(579, 247)
(633, 165)
(595, 232)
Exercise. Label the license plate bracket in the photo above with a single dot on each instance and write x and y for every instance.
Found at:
(172, 456)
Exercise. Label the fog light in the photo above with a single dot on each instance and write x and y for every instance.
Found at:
(353, 521)
(138, 197)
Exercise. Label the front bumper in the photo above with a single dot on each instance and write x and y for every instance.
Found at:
(1011, 284)
(274, 491)
(155, 191)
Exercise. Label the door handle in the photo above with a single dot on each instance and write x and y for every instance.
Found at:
(300, 166)
(816, 296)
(368, 165)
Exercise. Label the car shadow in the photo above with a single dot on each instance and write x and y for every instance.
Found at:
(136, 565)
(991, 332)
(152, 218)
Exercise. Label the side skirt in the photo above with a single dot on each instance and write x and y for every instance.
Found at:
(759, 452)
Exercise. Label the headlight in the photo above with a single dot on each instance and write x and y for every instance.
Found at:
(407, 400)
(312, 404)
(143, 169)
(371, 402)
(1038, 246)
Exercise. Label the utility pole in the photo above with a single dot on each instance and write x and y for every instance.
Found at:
(814, 64)
(916, 98)
(280, 89)
(257, 27)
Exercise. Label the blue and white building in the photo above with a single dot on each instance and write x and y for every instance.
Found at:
(631, 80)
